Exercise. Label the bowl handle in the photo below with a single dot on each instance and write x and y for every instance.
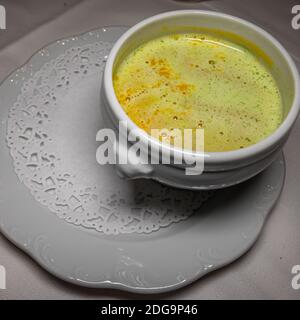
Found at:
(133, 169)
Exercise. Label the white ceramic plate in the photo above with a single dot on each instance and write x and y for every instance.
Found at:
(222, 230)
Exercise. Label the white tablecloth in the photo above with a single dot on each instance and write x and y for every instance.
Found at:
(265, 271)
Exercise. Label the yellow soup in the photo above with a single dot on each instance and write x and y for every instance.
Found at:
(193, 80)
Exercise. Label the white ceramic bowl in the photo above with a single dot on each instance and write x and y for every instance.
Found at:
(221, 169)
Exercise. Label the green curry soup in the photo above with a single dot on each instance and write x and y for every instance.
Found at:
(194, 80)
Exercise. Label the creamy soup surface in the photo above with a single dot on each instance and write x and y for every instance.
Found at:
(195, 80)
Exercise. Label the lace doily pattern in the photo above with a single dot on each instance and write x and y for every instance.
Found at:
(40, 166)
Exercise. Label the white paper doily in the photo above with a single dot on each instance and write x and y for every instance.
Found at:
(51, 135)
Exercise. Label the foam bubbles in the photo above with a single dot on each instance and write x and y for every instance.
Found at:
(190, 81)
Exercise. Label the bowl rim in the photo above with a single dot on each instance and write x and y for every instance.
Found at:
(267, 143)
